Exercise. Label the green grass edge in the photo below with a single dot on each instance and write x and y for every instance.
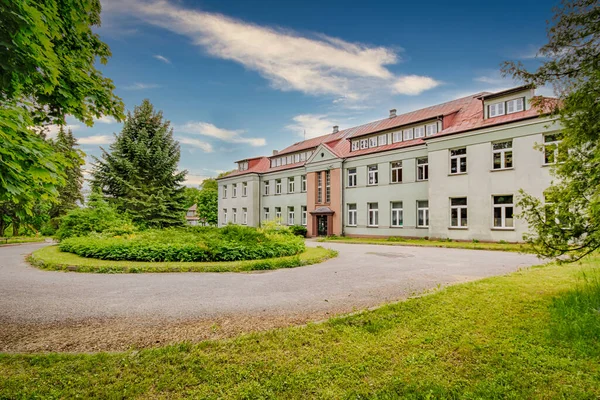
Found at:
(51, 258)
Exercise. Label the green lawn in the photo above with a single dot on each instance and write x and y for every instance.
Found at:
(22, 239)
(400, 241)
(530, 334)
(52, 258)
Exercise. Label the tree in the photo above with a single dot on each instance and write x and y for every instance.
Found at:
(567, 223)
(139, 174)
(208, 202)
(69, 194)
(191, 196)
(47, 71)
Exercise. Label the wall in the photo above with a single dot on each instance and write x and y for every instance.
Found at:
(239, 202)
(297, 199)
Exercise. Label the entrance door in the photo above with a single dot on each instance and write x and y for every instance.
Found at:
(322, 225)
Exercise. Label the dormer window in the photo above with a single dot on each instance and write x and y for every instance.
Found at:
(506, 107)
(515, 105)
(243, 166)
(408, 134)
(397, 137)
(364, 144)
(431, 129)
(495, 110)
(355, 145)
(373, 141)
(419, 132)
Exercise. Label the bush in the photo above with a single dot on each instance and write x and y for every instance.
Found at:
(231, 243)
(299, 230)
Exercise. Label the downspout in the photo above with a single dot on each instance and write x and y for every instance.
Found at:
(259, 201)
(342, 186)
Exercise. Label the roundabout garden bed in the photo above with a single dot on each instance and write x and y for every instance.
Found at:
(51, 258)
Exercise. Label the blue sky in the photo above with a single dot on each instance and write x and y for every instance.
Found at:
(241, 78)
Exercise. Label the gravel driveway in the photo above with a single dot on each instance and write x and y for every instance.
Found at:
(47, 310)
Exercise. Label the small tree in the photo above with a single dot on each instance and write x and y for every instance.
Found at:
(139, 174)
(70, 193)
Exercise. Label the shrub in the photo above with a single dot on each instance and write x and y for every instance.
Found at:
(231, 243)
(299, 230)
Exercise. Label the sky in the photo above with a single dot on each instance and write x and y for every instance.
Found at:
(238, 79)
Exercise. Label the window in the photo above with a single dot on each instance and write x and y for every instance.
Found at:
(382, 140)
(245, 216)
(422, 213)
(397, 214)
(290, 159)
(266, 188)
(278, 186)
(351, 177)
(373, 141)
(303, 183)
(351, 214)
(355, 145)
(364, 144)
(373, 214)
(278, 214)
(373, 175)
(304, 215)
(291, 185)
(419, 132)
(397, 137)
(495, 109)
(243, 166)
(397, 172)
(432, 129)
(296, 157)
(290, 215)
(408, 134)
(244, 189)
(279, 162)
(266, 213)
(422, 169)
(319, 187)
(234, 213)
(552, 151)
(302, 156)
(458, 161)
(224, 191)
(224, 216)
(234, 191)
(503, 212)
(327, 187)
(458, 212)
(502, 155)
(516, 105)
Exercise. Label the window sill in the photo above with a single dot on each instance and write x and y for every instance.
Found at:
(396, 183)
(458, 228)
(457, 174)
(396, 227)
(422, 227)
(502, 169)
(421, 180)
(351, 226)
(372, 226)
(502, 229)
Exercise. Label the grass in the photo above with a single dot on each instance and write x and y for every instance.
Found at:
(51, 258)
(400, 241)
(22, 239)
(531, 334)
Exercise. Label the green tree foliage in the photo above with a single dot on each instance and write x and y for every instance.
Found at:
(47, 71)
(139, 174)
(208, 205)
(568, 221)
(191, 196)
(210, 184)
(69, 193)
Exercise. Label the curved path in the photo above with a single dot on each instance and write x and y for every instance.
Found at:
(33, 301)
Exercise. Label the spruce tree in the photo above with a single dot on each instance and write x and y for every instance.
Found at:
(139, 174)
(70, 193)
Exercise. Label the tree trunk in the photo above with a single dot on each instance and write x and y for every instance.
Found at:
(15, 226)
(2, 225)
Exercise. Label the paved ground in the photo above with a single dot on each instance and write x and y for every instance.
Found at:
(105, 312)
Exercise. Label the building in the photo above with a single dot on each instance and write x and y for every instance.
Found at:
(191, 217)
(452, 170)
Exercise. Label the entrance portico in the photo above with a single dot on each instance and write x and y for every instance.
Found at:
(322, 221)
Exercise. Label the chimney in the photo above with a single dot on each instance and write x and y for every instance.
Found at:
(275, 152)
(392, 113)
(336, 129)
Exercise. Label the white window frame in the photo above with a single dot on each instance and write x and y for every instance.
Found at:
(327, 186)
(224, 191)
(397, 214)
(419, 132)
(291, 185)
(458, 158)
(277, 186)
(224, 216)
(517, 105)
(352, 177)
(364, 144)
(266, 213)
(496, 109)
(304, 215)
(319, 187)
(397, 137)
(244, 216)
(244, 189)
(422, 169)
(373, 215)
(555, 151)
(396, 166)
(372, 175)
(408, 134)
(234, 190)
(302, 157)
(234, 215)
(502, 153)
(382, 140)
(266, 188)
(431, 129)
(373, 141)
(352, 214)
(424, 211)
(278, 214)
(459, 209)
(291, 216)
(355, 145)
(296, 158)
(503, 207)
(303, 183)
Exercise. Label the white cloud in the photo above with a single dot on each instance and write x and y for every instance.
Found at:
(96, 140)
(317, 65)
(105, 119)
(194, 180)
(141, 86)
(313, 124)
(414, 84)
(231, 136)
(162, 58)
(492, 80)
(204, 146)
(52, 130)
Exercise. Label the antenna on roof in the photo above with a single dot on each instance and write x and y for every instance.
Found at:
(305, 134)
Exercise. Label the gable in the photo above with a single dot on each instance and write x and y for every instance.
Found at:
(322, 154)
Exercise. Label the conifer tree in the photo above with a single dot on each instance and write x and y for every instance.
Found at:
(139, 174)
(70, 193)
